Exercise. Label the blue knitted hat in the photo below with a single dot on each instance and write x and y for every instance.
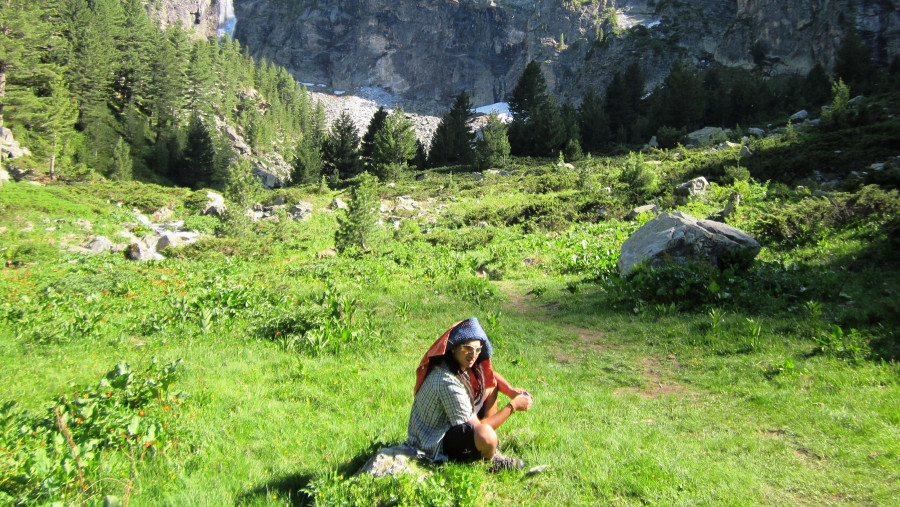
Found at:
(467, 330)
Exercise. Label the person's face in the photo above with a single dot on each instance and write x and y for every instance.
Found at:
(466, 353)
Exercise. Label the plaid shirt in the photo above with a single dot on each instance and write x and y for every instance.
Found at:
(441, 403)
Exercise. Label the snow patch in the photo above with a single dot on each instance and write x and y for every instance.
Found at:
(501, 108)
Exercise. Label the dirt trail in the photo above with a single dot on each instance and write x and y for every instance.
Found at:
(657, 372)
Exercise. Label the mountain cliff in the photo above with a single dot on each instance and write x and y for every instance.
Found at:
(427, 51)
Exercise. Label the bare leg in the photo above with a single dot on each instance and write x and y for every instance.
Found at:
(486, 441)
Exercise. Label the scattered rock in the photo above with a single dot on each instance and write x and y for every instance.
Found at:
(84, 224)
(758, 132)
(647, 208)
(800, 115)
(477, 176)
(706, 136)
(100, 244)
(215, 205)
(4, 176)
(688, 190)
(680, 238)
(163, 214)
(745, 151)
(338, 203)
(140, 252)
(420, 177)
(301, 211)
(397, 460)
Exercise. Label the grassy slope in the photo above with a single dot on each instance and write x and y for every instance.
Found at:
(652, 405)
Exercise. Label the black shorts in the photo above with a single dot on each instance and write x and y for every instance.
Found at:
(459, 443)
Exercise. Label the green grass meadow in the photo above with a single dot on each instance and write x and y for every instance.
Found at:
(249, 370)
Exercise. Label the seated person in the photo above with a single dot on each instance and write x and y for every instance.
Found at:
(454, 414)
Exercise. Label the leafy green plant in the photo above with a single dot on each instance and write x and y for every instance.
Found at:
(58, 454)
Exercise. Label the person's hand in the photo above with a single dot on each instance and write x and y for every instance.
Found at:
(521, 402)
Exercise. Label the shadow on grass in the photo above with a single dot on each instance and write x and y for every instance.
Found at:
(288, 488)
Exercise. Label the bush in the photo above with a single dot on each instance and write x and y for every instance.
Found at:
(30, 252)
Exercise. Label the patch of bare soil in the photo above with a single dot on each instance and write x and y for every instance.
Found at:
(656, 383)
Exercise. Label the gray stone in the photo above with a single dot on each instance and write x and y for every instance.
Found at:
(420, 177)
(477, 176)
(338, 203)
(649, 208)
(706, 136)
(301, 211)
(4, 176)
(100, 244)
(680, 238)
(688, 190)
(166, 240)
(278, 201)
(753, 131)
(800, 115)
(397, 460)
(215, 205)
(139, 252)
(162, 214)
(745, 151)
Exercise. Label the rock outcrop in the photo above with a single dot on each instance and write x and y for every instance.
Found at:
(429, 51)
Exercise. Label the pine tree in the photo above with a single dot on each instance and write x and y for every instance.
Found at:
(340, 151)
(395, 145)
(623, 102)
(356, 227)
(122, 161)
(307, 167)
(681, 101)
(537, 127)
(368, 140)
(593, 124)
(198, 157)
(492, 149)
(452, 141)
(854, 63)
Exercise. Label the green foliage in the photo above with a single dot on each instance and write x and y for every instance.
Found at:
(356, 227)
(537, 127)
(30, 252)
(340, 151)
(307, 166)
(395, 145)
(452, 141)
(639, 177)
(58, 454)
(492, 149)
(457, 485)
(837, 114)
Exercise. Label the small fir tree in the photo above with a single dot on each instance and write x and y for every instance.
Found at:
(452, 141)
(492, 149)
(395, 145)
(340, 152)
(356, 227)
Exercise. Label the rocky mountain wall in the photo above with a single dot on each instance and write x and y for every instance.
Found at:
(427, 51)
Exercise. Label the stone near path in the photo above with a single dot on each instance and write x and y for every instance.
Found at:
(398, 460)
(680, 238)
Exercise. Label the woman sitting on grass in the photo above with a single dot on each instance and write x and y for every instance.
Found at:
(454, 414)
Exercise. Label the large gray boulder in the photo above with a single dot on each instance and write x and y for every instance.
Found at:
(680, 238)
(215, 205)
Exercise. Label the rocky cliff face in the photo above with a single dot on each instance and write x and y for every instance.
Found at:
(428, 50)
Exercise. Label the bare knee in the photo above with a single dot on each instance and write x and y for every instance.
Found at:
(486, 440)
